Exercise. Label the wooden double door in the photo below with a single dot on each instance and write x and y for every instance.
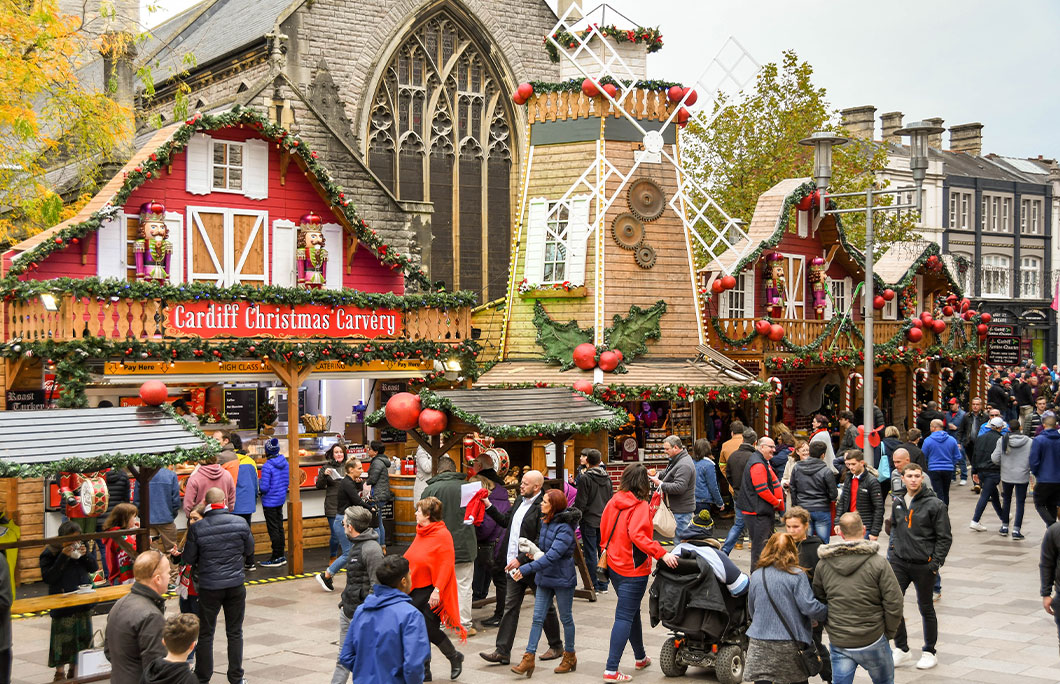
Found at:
(228, 246)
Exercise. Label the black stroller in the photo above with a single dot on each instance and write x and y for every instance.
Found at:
(709, 625)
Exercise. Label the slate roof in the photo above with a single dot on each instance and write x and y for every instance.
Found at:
(560, 410)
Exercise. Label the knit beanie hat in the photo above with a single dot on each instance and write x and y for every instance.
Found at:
(272, 448)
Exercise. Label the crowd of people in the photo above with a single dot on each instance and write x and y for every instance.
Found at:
(858, 524)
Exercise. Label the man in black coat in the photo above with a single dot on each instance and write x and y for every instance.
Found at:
(1049, 568)
(969, 429)
(219, 544)
(923, 421)
(861, 493)
(524, 520)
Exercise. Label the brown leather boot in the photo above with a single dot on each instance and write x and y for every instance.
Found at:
(568, 664)
(525, 666)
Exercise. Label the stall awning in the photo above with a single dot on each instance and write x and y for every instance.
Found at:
(544, 411)
(42, 443)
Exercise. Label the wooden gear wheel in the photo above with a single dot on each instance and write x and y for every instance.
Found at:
(627, 231)
(644, 256)
(645, 199)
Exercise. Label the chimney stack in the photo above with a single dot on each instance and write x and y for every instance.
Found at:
(891, 122)
(860, 122)
(935, 140)
(967, 138)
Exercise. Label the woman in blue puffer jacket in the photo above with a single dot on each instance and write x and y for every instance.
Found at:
(553, 567)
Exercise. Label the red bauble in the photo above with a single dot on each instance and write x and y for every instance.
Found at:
(914, 334)
(154, 392)
(716, 287)
(675, 93)
(967, 315)
(939, 326)
(986, 318)
(951, 299)
(878, 302)
(585, 356)
(776, 332)
(619, 354)
(728, 282)
(518, 100)
(965, 304)
(916, 322)
(682, 117)
(982, 329)
(888, 294)
(611, 89)
(692, 96)
(403, 411)
(608, 361)
(525, 90)
(585, 386)
(947, 310)
(590, 88)
(762, 327)
(926, 318)
(433, 421)
(933, 259)
(971, 314)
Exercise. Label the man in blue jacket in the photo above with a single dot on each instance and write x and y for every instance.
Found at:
(165, 502)
(1045, 466)
(942, 454)
(387, 639)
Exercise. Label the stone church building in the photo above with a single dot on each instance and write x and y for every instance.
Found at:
(407, 102)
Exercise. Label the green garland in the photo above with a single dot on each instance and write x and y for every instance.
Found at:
(672, 392)
(11, 288)
(843, 324)
(651, 37)
(71, 358)
(96, 463)
(574, 85)
(162, 157)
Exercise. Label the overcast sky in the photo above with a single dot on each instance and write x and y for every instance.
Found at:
(962, 60)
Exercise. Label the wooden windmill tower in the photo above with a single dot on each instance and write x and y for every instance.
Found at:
(609, 218)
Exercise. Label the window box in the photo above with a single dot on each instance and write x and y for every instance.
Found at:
(556, 291)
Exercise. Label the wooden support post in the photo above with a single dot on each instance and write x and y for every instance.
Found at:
(143, 481)
(293, 375)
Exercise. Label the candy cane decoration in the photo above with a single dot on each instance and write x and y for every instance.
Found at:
(857, 377)
(777, 387)
(920, 375)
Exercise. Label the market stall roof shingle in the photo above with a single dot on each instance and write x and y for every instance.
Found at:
(641, 372)
(41, 443)
(507, 412)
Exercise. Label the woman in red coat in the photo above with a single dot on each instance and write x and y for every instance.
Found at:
(626, 535)
(432, 567)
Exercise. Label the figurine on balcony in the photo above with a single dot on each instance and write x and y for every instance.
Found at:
(818, 284)
(312, 257)
(153, 250)
(776, 286)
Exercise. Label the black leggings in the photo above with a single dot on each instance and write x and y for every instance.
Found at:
(421, 599)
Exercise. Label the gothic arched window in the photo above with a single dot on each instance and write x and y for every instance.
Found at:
(440, 131)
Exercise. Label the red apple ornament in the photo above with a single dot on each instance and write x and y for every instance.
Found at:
(585, 386)
(590, 88)
(986, 318)
(611, 90)
(608, 361)
(154, 392)
(403, 411)
(433, 421)
(585, 356)
(914, 334)
(776, 332)
(728, 282)
(762, 327)
(878, 302)
(888, 294)
(675, 93)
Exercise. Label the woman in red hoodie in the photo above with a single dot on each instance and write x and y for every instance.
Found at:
(626, 536)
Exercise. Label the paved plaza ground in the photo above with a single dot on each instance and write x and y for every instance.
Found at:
(992, 626)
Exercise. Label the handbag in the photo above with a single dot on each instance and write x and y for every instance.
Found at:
(664, 521)
(601, 561)
(92, 661)
(884, 473)
(808, 656)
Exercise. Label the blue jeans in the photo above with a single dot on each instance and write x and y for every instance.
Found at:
(682, 520)
(591, 549)
(988, 482)
(333, 540)
(381, 531)
(876, 659)
(821, 525)
(542, 601)
(344, 545)
(627, 628)
(734, 533)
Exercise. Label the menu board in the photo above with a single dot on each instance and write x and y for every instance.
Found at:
(281, 403)
(241, 406)
(1003, 351)
(386, 433)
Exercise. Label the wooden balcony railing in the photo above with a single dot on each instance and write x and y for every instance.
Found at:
(127, 319)
(803, 332)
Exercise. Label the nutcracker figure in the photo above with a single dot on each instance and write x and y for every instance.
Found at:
(153, 250)
(312, 257)
(775, 285)
(818, 283)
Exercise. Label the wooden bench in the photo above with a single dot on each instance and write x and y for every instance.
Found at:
(37, 604)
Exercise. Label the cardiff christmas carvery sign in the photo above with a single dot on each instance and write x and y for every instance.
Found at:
(244, 319)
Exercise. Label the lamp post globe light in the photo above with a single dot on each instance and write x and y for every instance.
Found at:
(822, 143)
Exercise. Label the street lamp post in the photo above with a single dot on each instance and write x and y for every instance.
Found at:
(822, 143)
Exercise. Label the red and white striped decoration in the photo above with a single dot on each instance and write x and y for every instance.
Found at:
(848, 396)
(920, 375)
(778, 387)
(945, 375)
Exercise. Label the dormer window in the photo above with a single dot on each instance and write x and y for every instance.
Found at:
(227, 166)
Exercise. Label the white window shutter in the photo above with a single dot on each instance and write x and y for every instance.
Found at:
(749, 283)
(110, 249)
(175, 223)
(333, 235)
(803, 223)
(256, 169)
(537, 213)
(199, 165)
(577, 239)
(829, 305)
(284, 238)
(890, 310)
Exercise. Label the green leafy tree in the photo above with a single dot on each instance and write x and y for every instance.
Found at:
(752, 145)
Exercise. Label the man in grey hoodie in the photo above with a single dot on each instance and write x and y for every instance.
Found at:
(1013, 452)
(379, 481)
(678, 482)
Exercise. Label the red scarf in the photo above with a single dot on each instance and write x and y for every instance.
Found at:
(432, 562)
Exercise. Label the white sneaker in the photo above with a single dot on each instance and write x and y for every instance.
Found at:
(977, 526)
(963, 482)
(927, 661)
(900, 657)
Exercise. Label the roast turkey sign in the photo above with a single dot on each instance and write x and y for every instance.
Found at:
(244, 319)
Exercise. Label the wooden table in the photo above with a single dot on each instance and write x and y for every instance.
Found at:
(37, 604)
